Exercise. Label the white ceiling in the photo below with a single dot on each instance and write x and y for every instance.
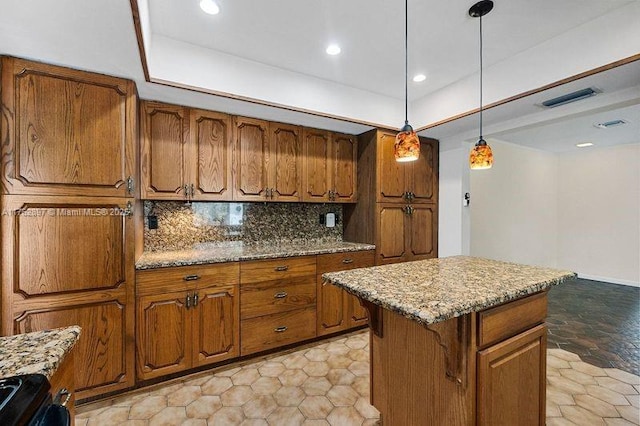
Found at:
(272, 53)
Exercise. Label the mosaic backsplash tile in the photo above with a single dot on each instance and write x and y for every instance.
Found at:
(181, 225)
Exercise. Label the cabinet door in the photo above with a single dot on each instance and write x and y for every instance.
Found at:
(251, 159)
(422, 235)
(424, 173)
(391, 231)
(317, 177)
(216, 328)
(208, 165)
(164, 334)
(357, 314)
(104, 352)
(332, 316)
(164, 134)
(511, 380)
(344, 157)
(392, 176)
(285, 162)
(66, 132)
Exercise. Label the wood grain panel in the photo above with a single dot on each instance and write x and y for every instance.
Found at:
(424, 173)
(216, 327)
(332, 315)
(317, 168)
(511, 381)
(277, 269)
(211, 140)
(183, 278)
(66, 132)
(333, 262)
(392, 176)
(391, 231)
(164, 335)
(251, 159)
(344, 160)
(164, 133)
(270, 331)
(105, 350)
(507, 320)
(286, 162)
(270, 297)
(62, 380)
(423, 233)
(357, 313)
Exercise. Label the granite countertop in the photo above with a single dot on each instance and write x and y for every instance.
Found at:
(40, 352)
(434, 290)
(217, 253)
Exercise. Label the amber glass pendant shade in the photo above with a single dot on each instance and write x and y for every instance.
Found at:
(407, 146)
(481, 156)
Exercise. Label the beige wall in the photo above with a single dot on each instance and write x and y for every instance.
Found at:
(599, 213)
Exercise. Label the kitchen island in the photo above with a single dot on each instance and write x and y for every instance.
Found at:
(456, 341)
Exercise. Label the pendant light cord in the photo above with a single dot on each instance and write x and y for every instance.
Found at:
(480, 77)
(406, 61)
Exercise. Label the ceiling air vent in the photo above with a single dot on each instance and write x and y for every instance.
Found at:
(609, 124)
(570, 97)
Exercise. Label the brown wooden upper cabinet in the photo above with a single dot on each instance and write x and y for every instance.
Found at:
(412, 182)
(66, 132)
(330, 173)
(268, 161)
(186, 153)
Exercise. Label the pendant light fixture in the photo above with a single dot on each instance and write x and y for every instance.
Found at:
(407, 146)
(481, 156)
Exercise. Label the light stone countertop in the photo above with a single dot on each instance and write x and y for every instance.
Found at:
(233, 252)
(434, 290)
(40, 352)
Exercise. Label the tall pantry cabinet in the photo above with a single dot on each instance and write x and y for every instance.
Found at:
(398, 205)
(68, 181)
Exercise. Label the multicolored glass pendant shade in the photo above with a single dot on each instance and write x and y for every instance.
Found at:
(481, 156)
(407, 146)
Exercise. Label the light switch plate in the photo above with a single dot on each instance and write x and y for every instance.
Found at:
(330, 220)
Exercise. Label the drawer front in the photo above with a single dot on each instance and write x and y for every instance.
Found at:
(271, 297)
(499, 323)
(271, 331)
(277, 269)
(162, 280)
(343, 261)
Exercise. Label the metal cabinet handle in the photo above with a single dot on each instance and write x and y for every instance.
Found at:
(64, 392)
(280, 329)
(282, 268)
(192, 190)
(280, 295)
(130, 185)
(347, 261)
(195, 300)
(191, 277)
(188, 300)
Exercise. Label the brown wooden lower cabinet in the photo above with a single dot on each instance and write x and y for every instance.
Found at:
(63, 389)
(446, 375)
(186, 317)
(337, 309)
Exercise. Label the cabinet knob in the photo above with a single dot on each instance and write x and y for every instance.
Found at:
(280, 295)
(282, 268)
(280, 329)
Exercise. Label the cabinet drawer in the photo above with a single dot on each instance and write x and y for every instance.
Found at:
(276, 269)
(502, 322)
(161, 280)
(270, 331)
(343, 261)
(271, 297)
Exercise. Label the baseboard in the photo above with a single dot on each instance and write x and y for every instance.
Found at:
(609, 280)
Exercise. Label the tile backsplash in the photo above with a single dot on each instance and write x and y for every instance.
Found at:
(181, 225)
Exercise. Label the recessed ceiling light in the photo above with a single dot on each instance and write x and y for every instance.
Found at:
(419, 77)
(584, 145)
(333, 49)
(210, 7)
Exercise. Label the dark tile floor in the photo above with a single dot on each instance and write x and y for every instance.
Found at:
(598, 321)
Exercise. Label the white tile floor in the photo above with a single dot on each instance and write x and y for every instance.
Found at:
(327, 383)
